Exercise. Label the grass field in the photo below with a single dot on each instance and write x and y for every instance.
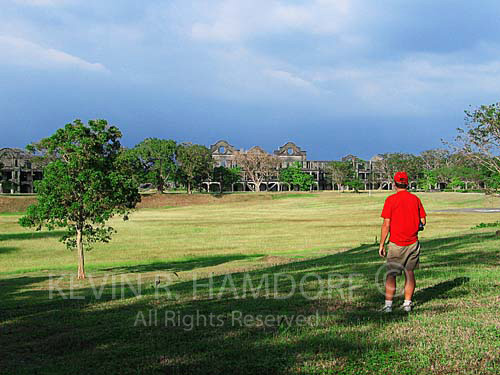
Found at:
(455, 328)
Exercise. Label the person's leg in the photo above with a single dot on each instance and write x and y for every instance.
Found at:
(409, 285)
(390, 287)
(393, 268)
(411, 264)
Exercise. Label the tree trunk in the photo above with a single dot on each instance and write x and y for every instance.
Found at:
(257, 187)
(81, 261)
(160, 182)
(190, 191)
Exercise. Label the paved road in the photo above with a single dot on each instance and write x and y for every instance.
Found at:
(472, 210)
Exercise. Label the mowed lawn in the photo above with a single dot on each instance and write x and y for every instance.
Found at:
(455, 328)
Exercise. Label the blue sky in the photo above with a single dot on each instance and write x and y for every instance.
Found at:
(335, 76)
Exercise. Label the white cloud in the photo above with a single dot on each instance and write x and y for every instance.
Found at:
(17, 51)
(417, 84)
(290, 79)
(233, 20)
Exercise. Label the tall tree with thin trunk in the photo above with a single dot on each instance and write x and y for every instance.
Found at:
(84, 185)
(258, 165)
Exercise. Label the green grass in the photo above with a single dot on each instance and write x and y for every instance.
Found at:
(455, 328)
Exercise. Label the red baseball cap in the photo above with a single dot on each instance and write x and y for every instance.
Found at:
(401, 178)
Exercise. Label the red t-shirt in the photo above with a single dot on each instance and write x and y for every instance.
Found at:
(405, 211)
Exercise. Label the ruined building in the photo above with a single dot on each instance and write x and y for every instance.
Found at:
(18, 171)
(223, 154)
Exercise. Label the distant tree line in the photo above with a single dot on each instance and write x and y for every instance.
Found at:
(429, 170)
(167, 164)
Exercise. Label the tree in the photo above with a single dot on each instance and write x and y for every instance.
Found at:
(341, 172)
(226, 176)
(386, 165)
(356, 184)
(471, 175)
(132, 166)
(428, 181)
(83, 187)
(457, 183)
(258, 165)
(195, 164)
(158, 158)
(295, 176)
(479, 141)
(435, 158)
(384, 168)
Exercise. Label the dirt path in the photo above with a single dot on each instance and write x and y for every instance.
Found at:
(472, 210)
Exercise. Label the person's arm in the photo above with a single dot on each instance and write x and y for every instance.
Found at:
(386, 225)
(422, 214)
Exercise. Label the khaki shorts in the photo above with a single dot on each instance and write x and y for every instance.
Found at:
(400, 258)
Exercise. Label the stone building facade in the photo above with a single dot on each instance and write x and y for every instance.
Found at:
(223, 154)
(18, 171)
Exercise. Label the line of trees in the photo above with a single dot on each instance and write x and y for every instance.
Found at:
(163, 161)
(432, 169)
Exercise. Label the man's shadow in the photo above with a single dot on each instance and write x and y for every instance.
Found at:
(438, 290)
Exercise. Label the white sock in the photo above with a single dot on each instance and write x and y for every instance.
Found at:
(388, 303)
(407, 302)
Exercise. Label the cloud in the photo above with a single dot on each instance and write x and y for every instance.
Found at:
(417, 84)
(233, 20)
(291, 79)
(18, 51)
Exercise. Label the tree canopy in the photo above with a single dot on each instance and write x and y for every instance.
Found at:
(295, 176)
(195, 164)
(158, 157)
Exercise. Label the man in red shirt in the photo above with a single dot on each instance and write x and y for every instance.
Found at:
(403, 216)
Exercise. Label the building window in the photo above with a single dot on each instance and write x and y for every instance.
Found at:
(222, 150)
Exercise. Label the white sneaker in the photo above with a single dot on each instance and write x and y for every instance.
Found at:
(408, 308)
(386, 309)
